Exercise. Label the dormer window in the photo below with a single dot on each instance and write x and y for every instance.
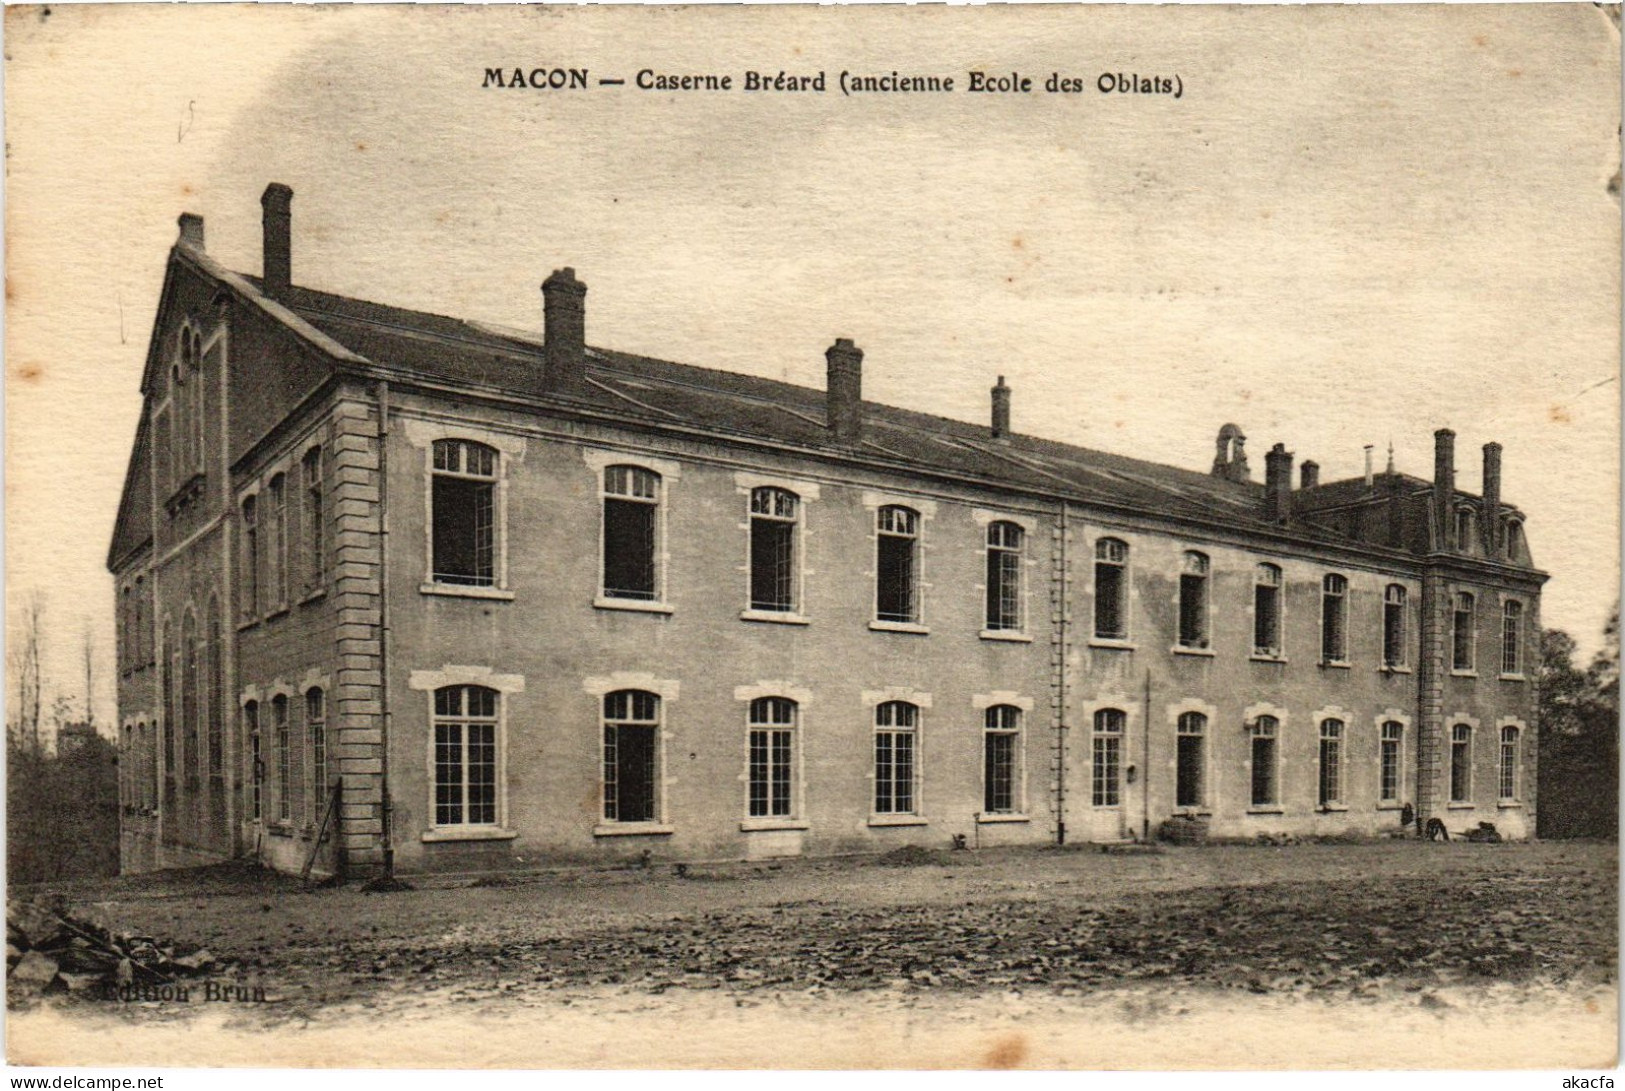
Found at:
(1464, 529)
(1512, 535)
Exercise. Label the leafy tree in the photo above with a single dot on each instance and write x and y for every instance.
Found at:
(1579, 737)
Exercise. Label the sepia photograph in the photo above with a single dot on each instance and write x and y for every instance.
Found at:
(1060, 537)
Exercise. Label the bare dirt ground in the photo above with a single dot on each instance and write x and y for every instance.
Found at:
(1516, 942)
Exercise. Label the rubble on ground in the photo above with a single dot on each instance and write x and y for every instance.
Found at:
(50, 950)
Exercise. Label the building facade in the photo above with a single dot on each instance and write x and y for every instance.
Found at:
(397, 590)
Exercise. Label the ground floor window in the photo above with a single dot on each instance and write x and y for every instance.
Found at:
(1391, 774)
(1461, 763)
(256, 768)
(1192, 760)
(465, 756)
(1331, 762)
(772, 748)
(1264, 731)
(1509, 763)
(896, 733)
(631, 756)
(284, 758)
(1001, 739)
(1107, 775)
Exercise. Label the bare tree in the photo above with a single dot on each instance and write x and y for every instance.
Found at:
(23, 663)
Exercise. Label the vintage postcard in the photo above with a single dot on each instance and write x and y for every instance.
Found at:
(1059, 537)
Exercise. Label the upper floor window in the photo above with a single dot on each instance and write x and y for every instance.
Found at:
(1107, 764)
(1512, 637)
(897, 564)
(1334, 614)
(1391, 768)
(772, 757)
(1267, 611)
(631, 533)
(1461, 763)
(774, 514)
(1005, 542)
(1001, 760)
(1193, 599)
(1111, 589)
(896, 734)
(1463, 637)
(631, 756)
(1514, 534)
(1266, 789)
(251, 558)
(463, 527)
(1464, 529)
(312, 520)
(278, 516)
(1508, 773)
(1331, 762)
(465, 756)
(1394, 637)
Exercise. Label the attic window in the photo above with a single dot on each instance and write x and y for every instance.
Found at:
(1464, 529)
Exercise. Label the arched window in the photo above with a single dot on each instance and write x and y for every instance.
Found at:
(773, 519)
(1464, 638)
(1394, 635)
(190, 705)
(256, 759)
(312, 520)
(772, 746)
(1193, 600)
(1005, 543)
(465, 756)
(277, 495)
(1461, 763)
(250, 579)
(1512, 637)
(316, 729)
(631, 756)
(1509, 764)
(631, 533)
(1391, 769)
(1267, 611)
(1334, 615)
(1266, 779)
(463, 522)
(1191, 761)
(1107, 766)
(169, 665)
(284, 758)
(897, 569)
(217, 693)
(1111, 589)
(1001, 760)
(1331, 762)
(142, 639)
(896, 751)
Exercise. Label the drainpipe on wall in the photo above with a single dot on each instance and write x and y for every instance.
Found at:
(1060, 687)
(1145, 763)
(385, 806)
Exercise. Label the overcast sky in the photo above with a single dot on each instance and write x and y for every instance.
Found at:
(1354, 227)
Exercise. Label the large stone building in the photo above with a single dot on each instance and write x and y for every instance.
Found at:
(466, 598)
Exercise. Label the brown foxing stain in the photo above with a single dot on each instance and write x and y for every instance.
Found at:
(11, 292)
(1514, 72)
(1481, 40)
(1558, 414)
(1016, 243)
(360, 145)
(30, 373)
(1007, 1052)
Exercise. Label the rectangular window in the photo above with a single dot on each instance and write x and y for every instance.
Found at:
(1512, 638)
(631, 527)
(1461, 764)
(1509, 763)
(316, 725)
(895, 723)
(463, 519)
(1331, 762)
(251, 559)
(1004, 553)
(1462, 642)
(631, 756)
(1334, 619)
(1107, 774)
(772, 742)
(1393, 626)
(1000, 744)
(1193, 602)
(256, 769)
(278, 589)
(897, 575)
(1191, 761)
(313, 521)
(1267, 611)
(465, 756)
(1111, 589)
(1264, 731)
(284, 758)
(1391, 773)
(773, 515)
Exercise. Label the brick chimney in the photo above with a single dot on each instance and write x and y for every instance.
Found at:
(1310, 474)
(1492, 497)
(277, 253)
(844, 390)
(191, 225)
(1278, 484)
(1001, 410)
(564, 318)
(1444, 484)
